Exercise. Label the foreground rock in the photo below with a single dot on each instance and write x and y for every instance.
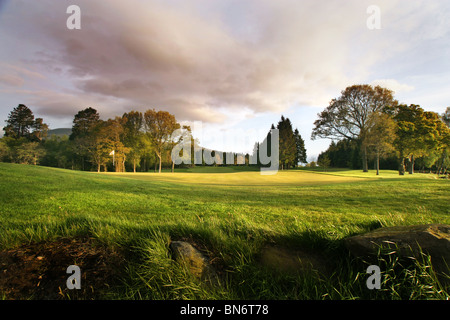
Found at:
(432, 239)
(197, 264)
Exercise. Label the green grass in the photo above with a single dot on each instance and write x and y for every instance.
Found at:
(233, 214)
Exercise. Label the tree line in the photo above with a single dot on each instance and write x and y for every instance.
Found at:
(135, 141)
(366, 122)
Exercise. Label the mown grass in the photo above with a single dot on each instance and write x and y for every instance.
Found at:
(233, 216)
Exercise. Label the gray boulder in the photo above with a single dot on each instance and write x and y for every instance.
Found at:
(196, 263)
(407, 241)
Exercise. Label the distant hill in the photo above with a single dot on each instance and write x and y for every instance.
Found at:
(60, 132)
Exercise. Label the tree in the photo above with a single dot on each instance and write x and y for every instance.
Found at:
(40, 130)
(346, 117)
(159, 127)
(58, 151)
(419, 133)
(288, 143)
(324, 162)
(380, 135)
(110, 138)
(446, 117)
(19, 122)
(29, 153)
(300, 146)
(133, 124)
(182, 139)
(4, 150)
(85, 123)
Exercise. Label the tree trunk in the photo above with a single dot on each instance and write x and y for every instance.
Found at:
(401, 169)
(134, 165)
(173, 166)
(98, 168)
(378, 163)
(365, 165)
(438, 172)
(159, 156)
(411, 165)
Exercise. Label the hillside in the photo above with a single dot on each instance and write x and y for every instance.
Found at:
(59, 132)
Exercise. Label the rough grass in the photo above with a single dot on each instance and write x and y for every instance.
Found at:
(231, 216)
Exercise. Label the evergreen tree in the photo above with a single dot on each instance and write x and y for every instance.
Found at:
(287, 143)
(19, 122)
(85, 125)
(300, 145)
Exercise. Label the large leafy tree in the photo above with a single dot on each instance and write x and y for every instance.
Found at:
(133, 136)
(105, 145)
(347, 116)
(419, 133)
(159, 126)
(380, 136)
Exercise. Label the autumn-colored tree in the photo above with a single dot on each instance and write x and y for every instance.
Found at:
(134, 137)
(40, 130)
(182, 139)
(159, 126)
(380, 136)
(105, 145)
(347, 116)
(112, 135)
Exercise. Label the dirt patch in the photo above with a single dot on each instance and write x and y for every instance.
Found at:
(38, 270)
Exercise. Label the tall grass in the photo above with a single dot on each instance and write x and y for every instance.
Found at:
(232, 217)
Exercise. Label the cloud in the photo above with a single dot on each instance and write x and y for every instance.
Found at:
(200, 60)
(11, 80)
(393, 85)
(14, 76)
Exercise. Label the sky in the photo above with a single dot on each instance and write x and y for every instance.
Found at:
(232, 66)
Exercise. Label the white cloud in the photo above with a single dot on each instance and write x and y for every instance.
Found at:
(393, 85)
(214, 61)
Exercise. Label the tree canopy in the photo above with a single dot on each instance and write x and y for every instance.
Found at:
(347, 117)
